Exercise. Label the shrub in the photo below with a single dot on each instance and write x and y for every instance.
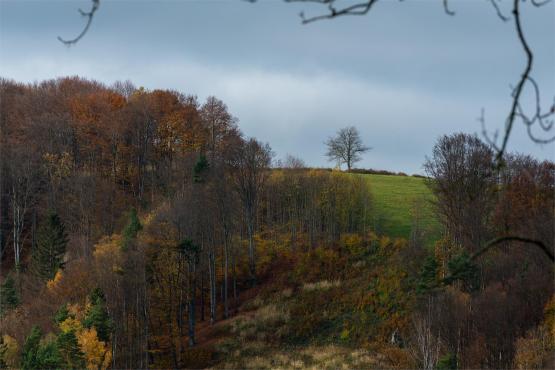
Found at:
(447, 362)
(9, 352)
(198, 358)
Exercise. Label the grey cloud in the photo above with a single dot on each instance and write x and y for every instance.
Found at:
(405, 74)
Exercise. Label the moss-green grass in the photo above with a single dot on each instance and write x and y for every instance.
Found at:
(395, 201)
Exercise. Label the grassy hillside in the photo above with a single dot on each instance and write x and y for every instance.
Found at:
(326, 308)
(398, 202)
(333, 308)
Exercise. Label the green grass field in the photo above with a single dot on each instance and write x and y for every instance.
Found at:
(398, 201)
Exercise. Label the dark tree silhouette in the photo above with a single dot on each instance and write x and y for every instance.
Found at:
(346, 147)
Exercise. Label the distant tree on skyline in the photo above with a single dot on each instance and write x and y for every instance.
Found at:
(346, 147)
(536, 116)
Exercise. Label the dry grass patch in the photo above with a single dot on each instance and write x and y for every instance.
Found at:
(321, 285)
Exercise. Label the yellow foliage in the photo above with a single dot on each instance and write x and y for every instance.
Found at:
(76, 311)
(97, 354)
(59, 166)
(54, 283)
(107, 253)
(11, 355)
(353, 242)
(71, 324)
(549, 314)
(535, 350)
(108, 246)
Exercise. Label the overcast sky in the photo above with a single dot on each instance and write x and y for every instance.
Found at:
(404, 74)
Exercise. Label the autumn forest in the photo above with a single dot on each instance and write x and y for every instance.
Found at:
(141, 229)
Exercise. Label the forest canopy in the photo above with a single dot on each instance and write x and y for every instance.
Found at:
(140, 228)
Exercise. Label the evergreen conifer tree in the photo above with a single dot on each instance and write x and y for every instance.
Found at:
(131, 229)
(48, 357)
(61, 315)
(69, 350)
(8, 295)
(29, 353)
(97, 316)
(200, 167)
(428, 279)
(463, 269)
(48, 256)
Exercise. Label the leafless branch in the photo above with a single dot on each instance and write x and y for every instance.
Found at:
(446, 8)
(490, 140)
(548, 252)
(538, 118)
(542, 119)
(524, 77)
(539, 3)
(500, 14)
(360, 8)
(89, 15)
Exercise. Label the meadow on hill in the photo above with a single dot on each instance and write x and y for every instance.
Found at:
(400, 203)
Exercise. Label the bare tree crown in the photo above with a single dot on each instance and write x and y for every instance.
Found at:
(346, 147)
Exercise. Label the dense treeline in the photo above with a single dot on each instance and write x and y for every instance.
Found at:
(129, 218)
(501, 294)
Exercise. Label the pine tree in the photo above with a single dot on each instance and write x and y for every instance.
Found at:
(97, 316)
(51, 246)
(131, 229)
(61, 315)
(462, 269)
(428, 279)
(71, 354)
(8, 295)
(200, 167)
(29, 359)
(48, 357)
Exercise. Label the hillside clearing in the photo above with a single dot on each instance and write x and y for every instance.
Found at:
(400, 201)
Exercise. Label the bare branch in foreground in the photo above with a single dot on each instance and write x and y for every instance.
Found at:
(360, 8)
(446, 8)
(89, 15)
(492, 243)
(500, 14)
(516, 110)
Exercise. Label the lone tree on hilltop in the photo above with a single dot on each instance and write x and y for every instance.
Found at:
(346, 147)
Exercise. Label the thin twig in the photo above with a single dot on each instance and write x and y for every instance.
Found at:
(500, 14)
(360, 8)
(89, 15)
(446, 8)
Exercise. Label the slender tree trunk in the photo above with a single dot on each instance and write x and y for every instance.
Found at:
(226, 267)
(234, 277)
(180, 311)
(191, 305)
(201, 295)
(252, 263)
(212, 282)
